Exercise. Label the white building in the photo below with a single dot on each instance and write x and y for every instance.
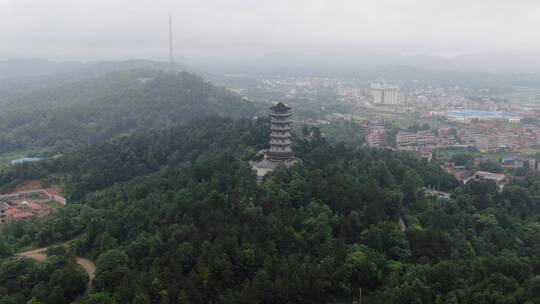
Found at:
(426, 137)
(405, 139)
(382, 94)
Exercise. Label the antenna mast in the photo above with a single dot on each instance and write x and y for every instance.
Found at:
(171, 50)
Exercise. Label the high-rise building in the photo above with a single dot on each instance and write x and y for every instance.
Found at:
(383, 94)
(280, 135)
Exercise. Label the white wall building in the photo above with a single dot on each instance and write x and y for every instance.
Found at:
(405, 139)
(382, 94)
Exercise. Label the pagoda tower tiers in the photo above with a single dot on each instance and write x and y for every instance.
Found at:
(280, 136)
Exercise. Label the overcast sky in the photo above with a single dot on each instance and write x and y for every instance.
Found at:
(120, 29)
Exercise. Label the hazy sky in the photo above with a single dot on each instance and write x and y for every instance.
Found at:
(115, 29)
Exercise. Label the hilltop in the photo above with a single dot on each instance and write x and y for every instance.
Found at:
(72, 114)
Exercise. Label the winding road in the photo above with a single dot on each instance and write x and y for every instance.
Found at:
(40, 256)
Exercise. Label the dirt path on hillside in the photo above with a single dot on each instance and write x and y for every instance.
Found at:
(40, 256)
(36, 254)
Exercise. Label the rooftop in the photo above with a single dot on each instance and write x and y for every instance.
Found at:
(492, 176)
(280, 108)
(25, 160)
(31, 205)
(16, 213)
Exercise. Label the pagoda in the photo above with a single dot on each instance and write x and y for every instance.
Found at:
(280, 135)
(279, 151)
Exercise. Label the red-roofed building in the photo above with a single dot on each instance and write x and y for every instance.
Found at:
(15, 214)
(425, 153)
(485, 125)
(376, 138)
(34, 208)
(444, 130)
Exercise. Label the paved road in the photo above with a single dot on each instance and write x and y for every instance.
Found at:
(40, 256)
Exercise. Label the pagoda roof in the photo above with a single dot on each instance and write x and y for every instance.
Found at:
(280, 107)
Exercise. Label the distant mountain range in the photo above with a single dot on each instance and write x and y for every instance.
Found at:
(493, 71)
(19, 75)
(30, 68)
(481, 70)
(492, 63)
(274, 62)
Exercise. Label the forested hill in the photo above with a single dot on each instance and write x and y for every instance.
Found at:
(179, 219)
(85, 112)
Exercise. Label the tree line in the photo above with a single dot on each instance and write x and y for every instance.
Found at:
(175, 216)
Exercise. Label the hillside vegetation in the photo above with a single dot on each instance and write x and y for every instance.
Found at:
(71, 115)
(170, 218)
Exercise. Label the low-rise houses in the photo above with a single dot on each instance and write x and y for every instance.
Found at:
(468, 135)
(459, 171)
(478, 161)
(425, 153)
(516, 162)
(426, 137)
(508, 140)
(420, 138)
(376, 138)
(375, 135)
(498, 178)
(404, 138)
(487, 143)
(339, 116)
(447, 140)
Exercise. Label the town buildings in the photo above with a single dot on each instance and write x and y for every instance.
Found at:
(376, 138)
(516, 162)
(468, 115)
(420, 138)
(425, 153)
(499, 179)
(404, 138)
(426, 137)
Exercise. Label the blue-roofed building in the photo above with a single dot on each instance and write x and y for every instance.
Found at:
(514, 162)
(23, 160)
(466, 115)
